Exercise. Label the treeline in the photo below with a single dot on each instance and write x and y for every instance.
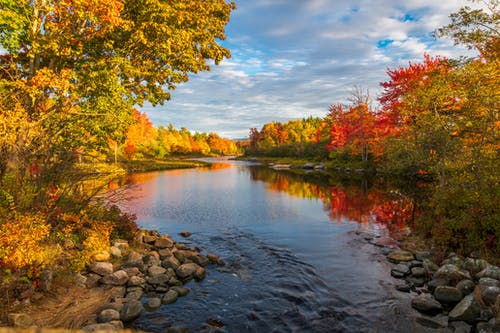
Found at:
(144, 140)
(438, 118)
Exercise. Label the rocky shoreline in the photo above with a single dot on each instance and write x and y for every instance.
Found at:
(156, 268)
(460, 294)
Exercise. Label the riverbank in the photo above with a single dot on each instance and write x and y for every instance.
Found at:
(145, 165)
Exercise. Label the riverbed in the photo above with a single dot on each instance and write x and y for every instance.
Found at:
(296, 256)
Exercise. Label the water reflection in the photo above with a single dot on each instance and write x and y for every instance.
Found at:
(355, 199)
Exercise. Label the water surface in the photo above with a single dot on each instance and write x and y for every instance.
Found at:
(294, 260)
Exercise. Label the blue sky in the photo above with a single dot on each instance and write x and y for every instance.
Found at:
(293, 58)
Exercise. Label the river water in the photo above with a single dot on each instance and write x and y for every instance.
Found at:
(294, 246)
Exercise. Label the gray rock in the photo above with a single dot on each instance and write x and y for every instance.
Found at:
(164, 253)
(132, 271)
(152, 304)
(134, 294)
(416, 263)
(489, 294)
(80, 280)
(439, 321)
(484, 327)
(136, 281)
(467, 310)
(117, 305)
(429, 265)
(466, 287)
(398, 256)
(20, 320)
(152, 260)
(421, 255)
(174, 282)
(474, 266)
(181, 291)
(426, 304)
(46, 280)
(434, 283)
(400, 271)
(404, 287)
(134, 259)
(447, 294)
(418, 272)
(416, 281)
(102, 268)
(453, 259)
(451, 273)
(170, 297)
(185, 271)
(131, 310)
(164, 242)
(115, 252)
(108, 315)
(158, 279)
(171, 262)
(121, 244)
(118, 278)
(92, 280)
(156, 270)
(490, 272)
(488, 282)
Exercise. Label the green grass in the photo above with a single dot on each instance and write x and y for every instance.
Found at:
(156, 165)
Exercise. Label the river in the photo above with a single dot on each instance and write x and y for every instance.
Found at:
(296, 258)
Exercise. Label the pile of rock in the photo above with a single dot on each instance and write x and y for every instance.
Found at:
(157, 273)
(462, 294)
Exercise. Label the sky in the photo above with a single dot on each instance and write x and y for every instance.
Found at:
(292, 59)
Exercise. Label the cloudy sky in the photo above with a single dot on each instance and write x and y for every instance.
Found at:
(293, 58)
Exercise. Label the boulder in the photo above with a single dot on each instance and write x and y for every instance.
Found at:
(185, 234)
(152, 304)
(434, 283)
(474, 266)
(439, 321)
(213, 258)
(488, 282)
(172, 262)
(131, 310)
(134, 293)
(451, 273)
(489, 294)
(490, 272)
(152, 259)
(164, 253)
(421, 255)
(115, 252)
(425, 303)
(132, 271)
(156, 270)
(400, 271)
(121, 244)
(108, 315)
(418, 272)
(398, 256)
(118, 278)
(164, 242)
(447, 294)
(170, 297)
(134, 259)
(92, 280)
(466, 286)
(460, 327)
(199, 274)
(467, 310)
(185, 271)
(149, 239)
(158, 279)
(101, 268)
(181, 291)
(136, 281)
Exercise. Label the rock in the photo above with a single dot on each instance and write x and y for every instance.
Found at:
(180, 246)
(416, 263)
(426, 304)
(170, 297)
(152, 259)
(116, 304)
(308, 166)
(483, 327)
(112, 326)
(447, 294)
(181, 291)
(496, 308)
(489, 294)
(132, 271)
(488, 282)
(185, 234)
(490, 272)
(101, 268)
(416, 281)
(121, 244)
(172, 262)
(400, 270)
(108, 315)
(156, 270)
(20, 320)
(439, 321)
(115, 252)
(421, 255)
(80, 280)
(474, 266)
(185, 271)
(136, 281)
(404, 287)
(134, 259)
(118, 278)
(398, 256)
(174, 282)
(213, 258)
(466, 287)
(429, 265)
(102, 256)
(164, 242)
(92, 280)
(460, 327)
(152, 304)
(149, 239)
(164, 253)
(451, 273)
(467, 310)
(158, 280)
(134, 294)
(434, 283)
(199, 274)
(418, 272)
(453, 259)
(131, 310)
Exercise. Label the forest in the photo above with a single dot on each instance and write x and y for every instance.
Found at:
(73, 73)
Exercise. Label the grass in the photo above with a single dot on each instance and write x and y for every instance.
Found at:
(156, 165)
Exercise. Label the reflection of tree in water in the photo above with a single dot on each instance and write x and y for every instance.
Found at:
(350, 198)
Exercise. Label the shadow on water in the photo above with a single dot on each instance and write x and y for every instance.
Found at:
(288, 267)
